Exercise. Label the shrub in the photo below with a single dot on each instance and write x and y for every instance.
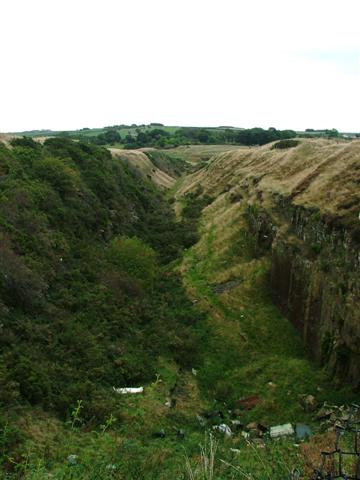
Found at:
(133, 257)
(282, 144)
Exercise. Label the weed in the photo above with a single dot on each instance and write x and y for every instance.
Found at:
(76, 419)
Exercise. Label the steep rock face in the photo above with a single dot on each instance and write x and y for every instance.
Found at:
(315, 281)
(302, 208)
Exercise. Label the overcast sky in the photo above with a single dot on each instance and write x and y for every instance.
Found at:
(271, 63)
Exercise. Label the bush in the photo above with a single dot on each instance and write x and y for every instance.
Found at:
(84, 304)
(133, 257)
(282, 144)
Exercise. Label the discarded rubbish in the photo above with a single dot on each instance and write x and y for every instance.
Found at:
(170, 402)
(302, 431)
(159, 434)
(325, 412)
(248, 403)
(333, 460)
(194, 371)
(236, 424)
(235, 450)
(216, 414)
(72, 459)
(128, 390)
(281, 430)
(223, 428)
(180, 434)
(201, 420)
(256, 430)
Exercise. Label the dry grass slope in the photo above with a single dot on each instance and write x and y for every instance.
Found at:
(143, 164)
(318, 173)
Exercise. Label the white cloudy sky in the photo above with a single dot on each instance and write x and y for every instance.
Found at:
(85, 63)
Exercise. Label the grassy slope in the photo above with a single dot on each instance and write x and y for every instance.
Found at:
(318, 173)
(248, 342)
(195, 154)
(141, 162)
(245, 343)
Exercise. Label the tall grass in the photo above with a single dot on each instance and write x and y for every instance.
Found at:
(205, 470)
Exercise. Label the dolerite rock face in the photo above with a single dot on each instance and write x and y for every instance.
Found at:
(301, 207)
(315, 279)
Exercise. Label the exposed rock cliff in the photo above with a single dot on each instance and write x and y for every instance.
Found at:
(302, 207)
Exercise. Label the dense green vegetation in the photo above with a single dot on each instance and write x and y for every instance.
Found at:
(173, 165)
(91, 298)
(85, 301)
(161, 138)
(283, 144)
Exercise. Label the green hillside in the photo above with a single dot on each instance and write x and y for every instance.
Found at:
(108, 282)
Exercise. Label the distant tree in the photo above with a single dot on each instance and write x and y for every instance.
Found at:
(333, 133)
(25, 142)
(112, 136)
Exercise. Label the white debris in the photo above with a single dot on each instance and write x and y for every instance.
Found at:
(236, 423)
(281, 430)
(72, 459)
(194, 372)
(223, 428)
(246, 435)
(235, 450)
(128, 390)
(201, 420)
